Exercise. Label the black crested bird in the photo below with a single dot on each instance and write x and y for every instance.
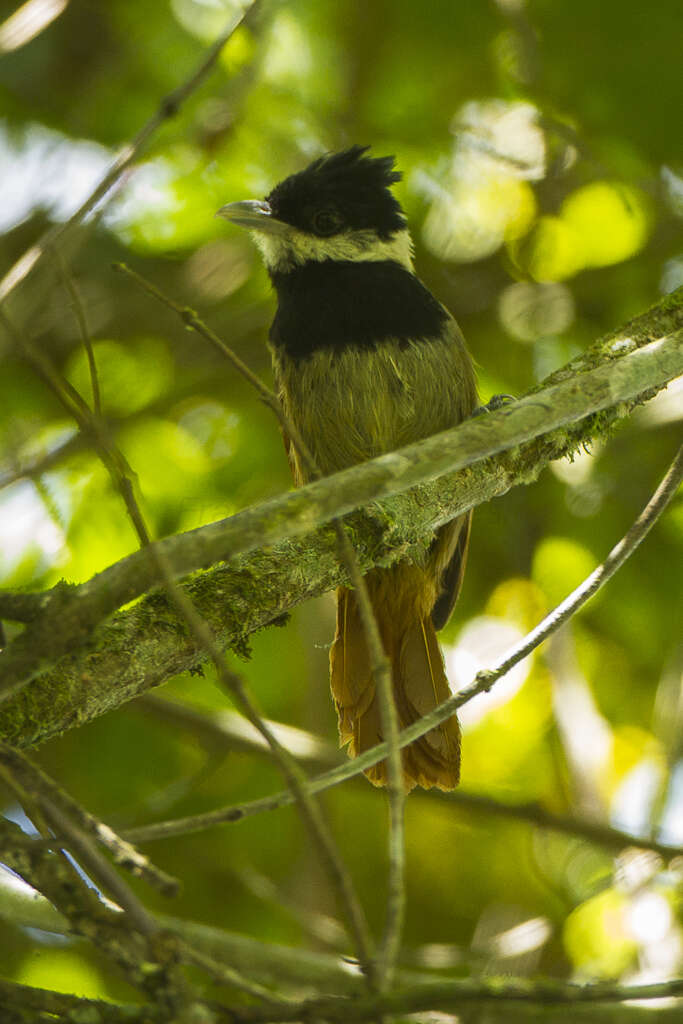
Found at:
(366, 360)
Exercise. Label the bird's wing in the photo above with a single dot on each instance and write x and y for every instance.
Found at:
(451, 578)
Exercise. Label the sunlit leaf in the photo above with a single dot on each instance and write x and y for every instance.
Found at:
(597, 938)
(551, 252)
(559, 565)
(612, 221)
(130, 374)
(63, 970)
(165, 457)
(518, 600)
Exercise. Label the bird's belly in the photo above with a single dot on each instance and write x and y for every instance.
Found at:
(353, 405)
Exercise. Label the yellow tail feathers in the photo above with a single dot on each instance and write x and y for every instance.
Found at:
(419, 684)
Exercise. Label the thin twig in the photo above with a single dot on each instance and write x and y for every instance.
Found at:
(293, 774)
(48, 815)
(387, 952)
(191, 320)
(225, 975)
(531, 813)
(452, 995)
(227, 731)
(291, 771)
(168, 108)
(90, 858)
(54, 875)
(578, 597)
(79, 312)
(583, 828)
(483, 681)
(45, 792)
(324, 930)
(380, 665)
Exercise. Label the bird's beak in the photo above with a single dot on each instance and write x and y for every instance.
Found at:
(254, 214)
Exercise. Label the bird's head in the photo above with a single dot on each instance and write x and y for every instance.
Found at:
(338, 208)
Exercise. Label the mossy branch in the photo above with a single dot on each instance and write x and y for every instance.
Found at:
(81, 660)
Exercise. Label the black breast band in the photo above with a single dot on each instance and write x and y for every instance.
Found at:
(337, 304)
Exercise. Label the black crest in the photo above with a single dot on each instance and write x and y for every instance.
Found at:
(341, 191)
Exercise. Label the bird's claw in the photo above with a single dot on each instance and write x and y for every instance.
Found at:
(494, 403)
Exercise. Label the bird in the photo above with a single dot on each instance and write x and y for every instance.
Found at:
(367, 360)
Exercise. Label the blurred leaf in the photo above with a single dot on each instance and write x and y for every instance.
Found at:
(168, 461)
(612, 220)
(597, 938)
(64, 971)
(551, 252)
(130, 375)
(520, 601)
(560, 564)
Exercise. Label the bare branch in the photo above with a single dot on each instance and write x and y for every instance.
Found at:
(65, 1007)
(453, 995)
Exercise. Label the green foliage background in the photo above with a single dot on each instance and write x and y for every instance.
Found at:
(540, 145)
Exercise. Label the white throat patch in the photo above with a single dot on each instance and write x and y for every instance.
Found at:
(283, 252)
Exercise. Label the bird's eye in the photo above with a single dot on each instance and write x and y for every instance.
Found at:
(326, 222)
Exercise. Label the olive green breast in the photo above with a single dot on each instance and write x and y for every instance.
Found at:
(353, 405)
